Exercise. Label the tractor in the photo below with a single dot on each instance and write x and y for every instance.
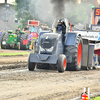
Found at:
(10, 40)
(74, 53)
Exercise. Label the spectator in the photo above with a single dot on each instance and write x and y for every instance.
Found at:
(19, 29)
(0, 33)
(26, 29)
(18, 34)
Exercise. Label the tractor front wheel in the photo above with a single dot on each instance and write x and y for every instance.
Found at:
(62, 63)
(31, 65)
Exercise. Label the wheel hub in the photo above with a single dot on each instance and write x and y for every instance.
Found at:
(79, 54)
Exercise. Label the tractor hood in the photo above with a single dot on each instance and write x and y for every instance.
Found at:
(48, 40)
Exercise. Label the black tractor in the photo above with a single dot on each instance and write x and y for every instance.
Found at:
(58, 49)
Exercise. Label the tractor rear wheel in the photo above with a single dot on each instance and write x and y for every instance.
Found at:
(61, 63)
(23, 37)
(3, 41)
(31, 65)
(75, 53)
(4, 38)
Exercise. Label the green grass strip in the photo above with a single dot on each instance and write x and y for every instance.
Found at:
(96, 98)
(14, 54)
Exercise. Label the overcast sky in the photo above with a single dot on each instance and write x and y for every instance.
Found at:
(8, 1)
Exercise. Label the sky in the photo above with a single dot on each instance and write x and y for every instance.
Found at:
(8, 1)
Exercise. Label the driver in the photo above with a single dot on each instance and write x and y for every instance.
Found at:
(61, 27)
(18, 34)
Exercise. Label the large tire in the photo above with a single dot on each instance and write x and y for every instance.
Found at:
(3, 38)
(75, 53)
(62, 63)
(31, 65)
(23, 37)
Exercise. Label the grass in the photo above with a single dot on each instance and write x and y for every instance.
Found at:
(14, 54)
(96, 98)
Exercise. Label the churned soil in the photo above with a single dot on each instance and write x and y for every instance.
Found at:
(21, 84)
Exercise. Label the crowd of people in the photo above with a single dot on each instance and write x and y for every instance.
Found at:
(29, 30)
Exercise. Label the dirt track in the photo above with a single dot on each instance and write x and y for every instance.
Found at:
(20, 84)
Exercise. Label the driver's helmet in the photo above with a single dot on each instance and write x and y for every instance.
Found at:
(59, 21)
